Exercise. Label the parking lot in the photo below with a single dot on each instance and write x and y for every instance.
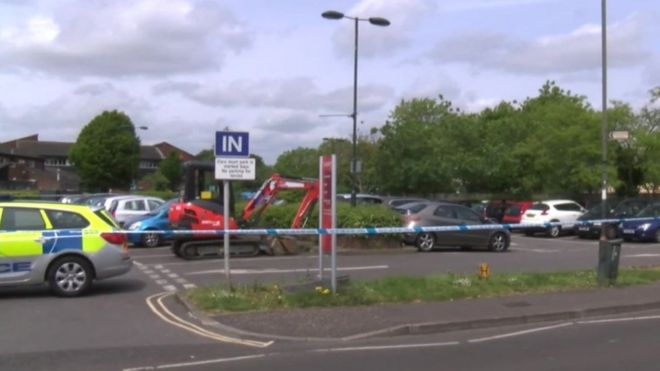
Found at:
(528, 254)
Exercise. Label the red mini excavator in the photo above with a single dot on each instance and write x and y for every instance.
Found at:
(197, 213)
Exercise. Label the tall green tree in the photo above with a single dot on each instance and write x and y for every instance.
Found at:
(648, 139)
(416, 151)
(106, 152)
(172, 169)
(303, 162)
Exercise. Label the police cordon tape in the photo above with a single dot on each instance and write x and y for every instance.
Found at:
(354, 231)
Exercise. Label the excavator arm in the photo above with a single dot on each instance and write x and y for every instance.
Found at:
(265, 196)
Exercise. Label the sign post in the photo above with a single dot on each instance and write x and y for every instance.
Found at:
(231, 163)
(327, 216)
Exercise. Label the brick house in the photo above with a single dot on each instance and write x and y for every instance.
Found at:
(28, 163)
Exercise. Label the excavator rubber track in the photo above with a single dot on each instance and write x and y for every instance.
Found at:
(214, 248)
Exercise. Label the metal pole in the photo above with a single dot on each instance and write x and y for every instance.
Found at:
(604, 126)
(354, 160)
(333, 244)
(320, 275)
(225, 236)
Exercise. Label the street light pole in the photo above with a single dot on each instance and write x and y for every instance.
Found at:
(604, 125)
(353, 170)
(377, 21)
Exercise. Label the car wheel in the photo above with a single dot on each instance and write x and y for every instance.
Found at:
(554, 231)
(498, 242)
(150, 239)
(425, 242)
(70, 276)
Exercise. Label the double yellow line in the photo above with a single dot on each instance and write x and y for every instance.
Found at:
(155, 303)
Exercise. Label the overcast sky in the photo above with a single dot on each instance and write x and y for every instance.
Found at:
(186, 68)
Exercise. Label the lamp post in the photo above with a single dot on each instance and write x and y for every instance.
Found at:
(604, 125)
(377, 21)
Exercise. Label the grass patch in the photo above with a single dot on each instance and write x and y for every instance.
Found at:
(259, 297)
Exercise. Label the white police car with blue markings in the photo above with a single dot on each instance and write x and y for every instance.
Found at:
(67, 246)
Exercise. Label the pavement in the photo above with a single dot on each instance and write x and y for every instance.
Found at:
(352, 323)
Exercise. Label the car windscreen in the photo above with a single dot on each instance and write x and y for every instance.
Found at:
(163, 207)
(650, 211)
(410, 209)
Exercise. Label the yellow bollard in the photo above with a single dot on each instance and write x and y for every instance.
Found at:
(484, 271)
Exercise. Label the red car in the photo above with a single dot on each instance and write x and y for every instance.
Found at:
(515, 211)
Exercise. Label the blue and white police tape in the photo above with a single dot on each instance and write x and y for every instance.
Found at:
(352, 231)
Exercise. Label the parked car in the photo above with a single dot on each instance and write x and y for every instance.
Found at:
(96, 199)
(515, 211)
(395, 202)
(449, 214)
(643, 230)
(495, 210)
(361, 198)
(563, 211)
(124, 207)
(623, 209)
(155, 226)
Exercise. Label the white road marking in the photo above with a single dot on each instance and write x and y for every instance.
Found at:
(148, 271)
(189, 286)
(152, 256)
(387, 347)
(641, 256)
(161, 282)
(173, 275)
(154, 276)
(611, 320)
(197, 363)
(276, 271)
(544, 251)
(181, 280)
(165, 270)
(518, 333)
(169, 288)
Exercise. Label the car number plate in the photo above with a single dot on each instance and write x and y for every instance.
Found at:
(629, 231)
(530, 215)
(583, 228)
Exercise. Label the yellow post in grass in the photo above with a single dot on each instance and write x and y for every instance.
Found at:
(484, 271)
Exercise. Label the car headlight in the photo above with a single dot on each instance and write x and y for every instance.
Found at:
(411, 225)
(644, 226)
(134, 226)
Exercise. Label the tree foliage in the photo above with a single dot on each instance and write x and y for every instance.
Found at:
(172, 170)
(106, 152)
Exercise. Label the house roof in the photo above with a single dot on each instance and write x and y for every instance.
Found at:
(31, 146)
(43, 149)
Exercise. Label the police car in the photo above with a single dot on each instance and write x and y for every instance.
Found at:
(68, 246)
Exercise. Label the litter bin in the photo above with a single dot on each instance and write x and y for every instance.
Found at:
(609, 251)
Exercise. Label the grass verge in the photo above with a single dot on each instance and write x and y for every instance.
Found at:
(258, 297)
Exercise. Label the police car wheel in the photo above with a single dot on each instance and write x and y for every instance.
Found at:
(70, 276)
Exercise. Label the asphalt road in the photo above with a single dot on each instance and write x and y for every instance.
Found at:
(607, 344)
(527, 254)
(115, 327)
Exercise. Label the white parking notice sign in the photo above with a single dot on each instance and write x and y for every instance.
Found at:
(235, 168)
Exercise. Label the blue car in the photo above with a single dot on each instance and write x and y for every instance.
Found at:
(646, 230)
(155, 221)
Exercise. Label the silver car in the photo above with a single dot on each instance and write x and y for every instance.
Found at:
(448, 214)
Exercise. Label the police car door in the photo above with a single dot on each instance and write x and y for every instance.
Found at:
(20, 243)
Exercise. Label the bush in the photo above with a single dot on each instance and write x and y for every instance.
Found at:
(361, 216)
